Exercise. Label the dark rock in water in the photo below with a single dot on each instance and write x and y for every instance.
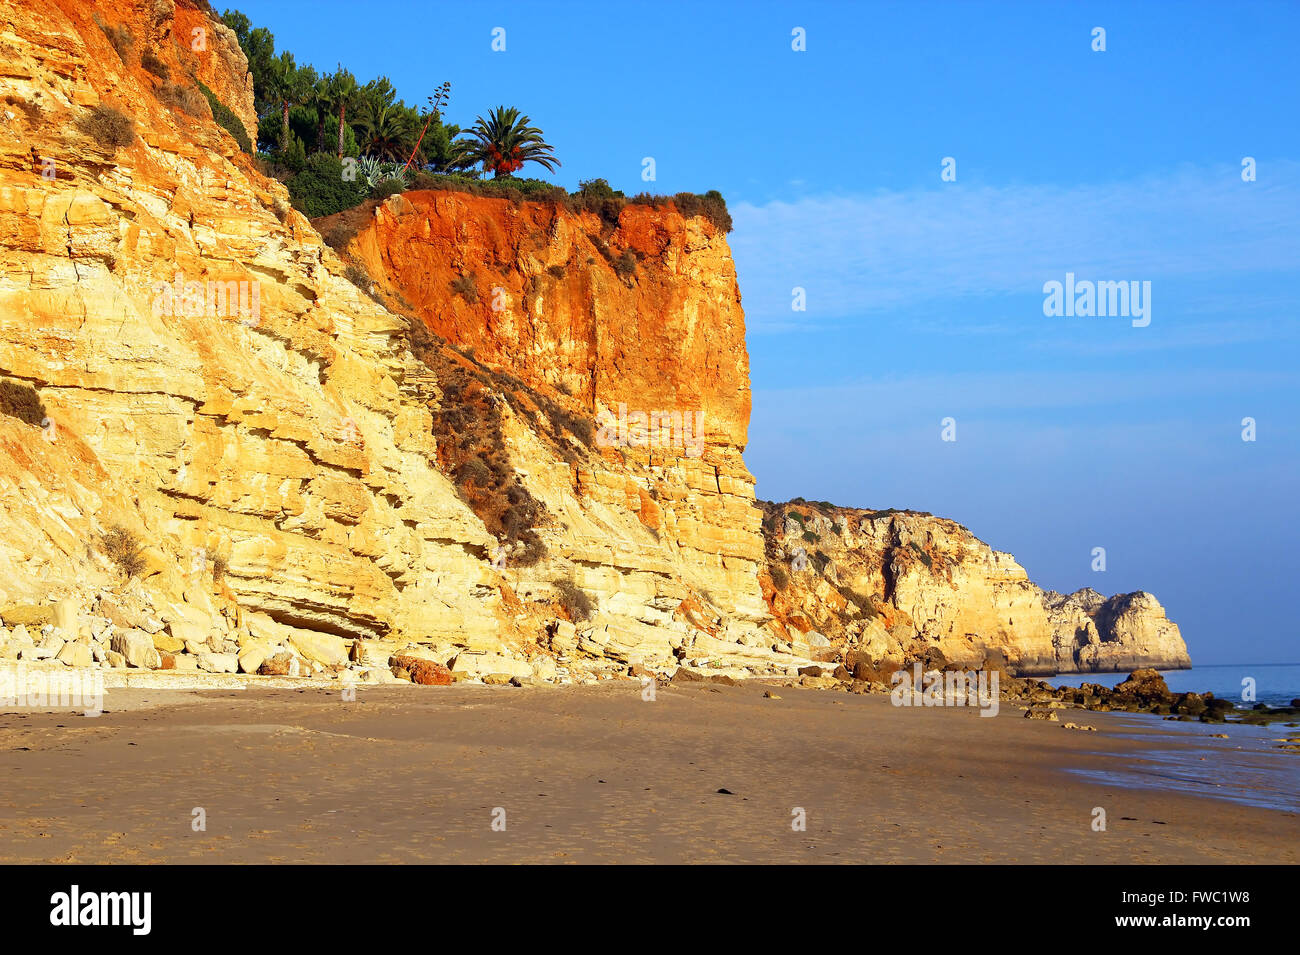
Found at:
(1216, 710)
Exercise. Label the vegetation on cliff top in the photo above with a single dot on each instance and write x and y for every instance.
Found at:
(384, 146)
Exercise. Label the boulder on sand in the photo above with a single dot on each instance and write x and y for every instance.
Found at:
(419, 670)
(1145, 686)
(137, 648)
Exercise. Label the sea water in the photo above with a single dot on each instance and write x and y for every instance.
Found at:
(1247, 767)
(1276, 684)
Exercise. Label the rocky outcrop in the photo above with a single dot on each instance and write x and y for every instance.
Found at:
(1094, 634)
(886, 587)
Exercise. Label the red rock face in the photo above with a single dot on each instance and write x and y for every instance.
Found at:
(180, 34)
(552, 308)
(639, 316)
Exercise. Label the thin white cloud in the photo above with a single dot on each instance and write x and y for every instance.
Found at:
(861, 254)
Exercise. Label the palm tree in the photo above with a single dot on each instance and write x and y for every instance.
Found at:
(504, 142)
(343, 93)
(339, 92)
(289, 86)
(387, 130)
(319, 100)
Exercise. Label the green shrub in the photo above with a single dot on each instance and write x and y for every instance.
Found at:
(185, 98)
(625, 264)
(868, 608)
(320, 189)
(21, 401)
(119, 36)
(575, 601)
(711, 206)
(510, 188)
(468, 424)
(578, 426)
(109, 127)
(291, 158)
(474, 471)
(780, 579)
(154, 64)
(386, 188)
(226, 119)
(463, 285)
(593, 195)
(598, 189)
(124, 549)
(360, 278)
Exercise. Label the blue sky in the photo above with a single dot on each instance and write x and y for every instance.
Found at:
(924, 297)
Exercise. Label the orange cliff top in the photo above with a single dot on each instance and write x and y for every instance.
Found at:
(644, 312)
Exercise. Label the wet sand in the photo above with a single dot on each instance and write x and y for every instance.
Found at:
(589, 774)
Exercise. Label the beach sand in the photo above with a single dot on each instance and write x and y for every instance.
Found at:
(588, 774)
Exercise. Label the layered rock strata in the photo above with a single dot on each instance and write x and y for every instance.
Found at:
(227, 445)
(889, 586)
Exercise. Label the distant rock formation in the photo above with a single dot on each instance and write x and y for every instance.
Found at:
(893, 586)
(1096, 634)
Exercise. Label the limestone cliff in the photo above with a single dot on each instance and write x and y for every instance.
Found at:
(211, 382)
(887, 586)
(505, 437)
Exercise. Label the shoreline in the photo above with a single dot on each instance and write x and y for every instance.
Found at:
(591, 774)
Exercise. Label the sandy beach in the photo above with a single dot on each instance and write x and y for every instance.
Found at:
(590, 775)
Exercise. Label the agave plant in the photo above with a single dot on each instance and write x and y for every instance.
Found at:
(397, 172)
(369, 168)
(504, 142)
(375, 171)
